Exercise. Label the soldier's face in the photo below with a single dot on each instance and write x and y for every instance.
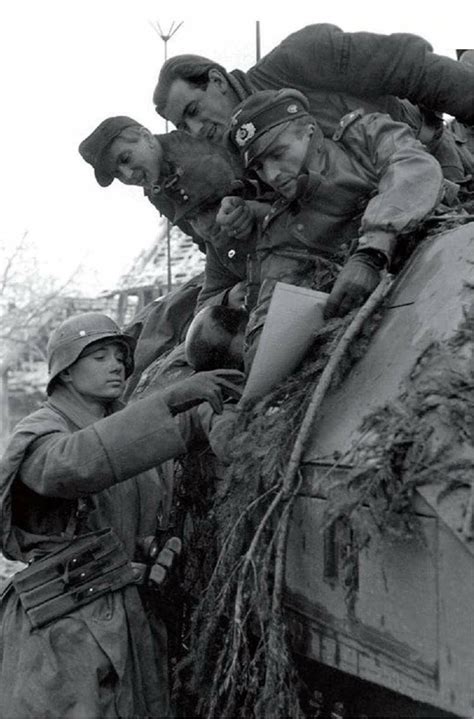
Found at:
(203, 112)
(100, 375)
(282, 162)
(136, 161)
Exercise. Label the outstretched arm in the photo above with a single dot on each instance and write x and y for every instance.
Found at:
(368, 64)
(410, 184)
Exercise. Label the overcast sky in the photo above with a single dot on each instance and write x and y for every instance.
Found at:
(66, 65)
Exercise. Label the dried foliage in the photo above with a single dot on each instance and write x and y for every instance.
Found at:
(240, 661)
(422, 438)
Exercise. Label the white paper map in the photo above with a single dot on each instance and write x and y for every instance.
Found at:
(294, 315)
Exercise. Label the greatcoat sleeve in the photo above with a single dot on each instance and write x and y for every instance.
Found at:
(368, 64)
(111, 450)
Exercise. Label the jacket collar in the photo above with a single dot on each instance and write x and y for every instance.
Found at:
(240, 84)
(67, 404)
(315, 167)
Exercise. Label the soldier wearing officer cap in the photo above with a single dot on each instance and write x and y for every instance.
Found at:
(354, 192)
(81, 501)
(338, 72)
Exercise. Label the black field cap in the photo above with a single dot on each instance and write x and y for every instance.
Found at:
(94, 148)
(261, 113)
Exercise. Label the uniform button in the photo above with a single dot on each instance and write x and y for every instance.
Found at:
(231, 254)
(300, 227)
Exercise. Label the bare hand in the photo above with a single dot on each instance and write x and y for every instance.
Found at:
(236, 217)
(201, 387)
(236, 296)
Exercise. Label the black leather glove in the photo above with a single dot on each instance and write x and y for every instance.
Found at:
(356, 281)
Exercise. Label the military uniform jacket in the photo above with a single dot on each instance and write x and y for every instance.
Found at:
(66, 472)
(373, 180)
(339, 72)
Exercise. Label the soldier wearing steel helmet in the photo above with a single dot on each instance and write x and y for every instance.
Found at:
(80, 498)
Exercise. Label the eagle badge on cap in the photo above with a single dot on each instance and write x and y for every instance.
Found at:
(245, 133)
(291, 109)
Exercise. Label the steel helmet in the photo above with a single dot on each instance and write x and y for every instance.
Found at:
(74, 334)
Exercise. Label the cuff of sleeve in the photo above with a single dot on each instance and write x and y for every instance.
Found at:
(139, 437)
(379, 240)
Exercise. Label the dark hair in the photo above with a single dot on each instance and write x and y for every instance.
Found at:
(194, 69)
(207, 350)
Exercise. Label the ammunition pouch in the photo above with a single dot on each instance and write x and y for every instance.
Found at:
(89, 567)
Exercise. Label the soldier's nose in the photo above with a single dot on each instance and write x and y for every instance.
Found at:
(195, 127)
(126, 172)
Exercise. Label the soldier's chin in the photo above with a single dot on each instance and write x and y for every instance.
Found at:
(288, 190)
(218, 134)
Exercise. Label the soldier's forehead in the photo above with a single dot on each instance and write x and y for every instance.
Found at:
(180, 94)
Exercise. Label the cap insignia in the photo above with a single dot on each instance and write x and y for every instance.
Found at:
(234, 118)
(291, 109)
(245, 133)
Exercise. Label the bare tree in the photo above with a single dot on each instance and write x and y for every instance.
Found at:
(29, 299)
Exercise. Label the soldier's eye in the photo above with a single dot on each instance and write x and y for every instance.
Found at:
(191, 109)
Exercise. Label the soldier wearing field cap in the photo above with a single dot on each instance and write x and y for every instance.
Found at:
(360, 192)
(185, 179)
(338, 72)
(121, 148)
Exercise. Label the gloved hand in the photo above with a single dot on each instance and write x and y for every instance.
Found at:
(236, 217)
(209, 387)
(356, 281)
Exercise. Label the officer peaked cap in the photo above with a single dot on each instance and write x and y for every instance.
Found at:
(260, 113)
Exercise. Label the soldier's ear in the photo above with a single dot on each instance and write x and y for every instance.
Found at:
(149, 137)
(65, 376)
(311, 129)
(218, 79)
